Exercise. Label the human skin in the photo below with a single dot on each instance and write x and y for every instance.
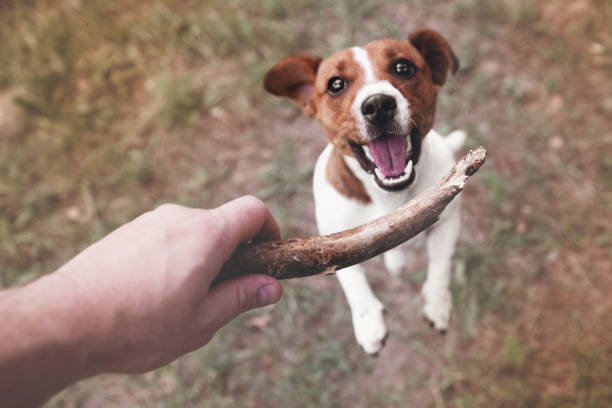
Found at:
(133, 301)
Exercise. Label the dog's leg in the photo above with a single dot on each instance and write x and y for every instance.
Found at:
(395, 261)
(366, 309)
(436, 290)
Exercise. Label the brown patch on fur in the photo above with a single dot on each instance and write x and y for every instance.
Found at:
(390, 53)
(305, 79)
(438, 54)
(334, 112)
(344, 181)
(293, 78)
(419, 91)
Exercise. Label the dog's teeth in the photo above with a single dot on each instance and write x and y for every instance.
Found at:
(366, 150)
(408, 169)
(391, 182)
(394, 181)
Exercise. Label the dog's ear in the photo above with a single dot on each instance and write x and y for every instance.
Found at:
(294, 78)
(437, 53)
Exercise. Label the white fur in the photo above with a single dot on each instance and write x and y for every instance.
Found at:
(361, 57)
(335, 212)
(373, 86)
(455, 140)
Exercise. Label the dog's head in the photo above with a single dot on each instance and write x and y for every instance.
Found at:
(375, 103)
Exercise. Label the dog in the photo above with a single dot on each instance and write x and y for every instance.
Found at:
(376, 104)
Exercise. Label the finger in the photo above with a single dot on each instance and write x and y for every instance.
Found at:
(247, 218)
(231, 298)
(237, 221)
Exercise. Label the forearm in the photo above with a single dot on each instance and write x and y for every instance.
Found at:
(43, 334)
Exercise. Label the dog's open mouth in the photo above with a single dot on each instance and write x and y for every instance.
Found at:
(390, 158)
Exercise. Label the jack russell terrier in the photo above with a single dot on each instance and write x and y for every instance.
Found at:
(376, 105)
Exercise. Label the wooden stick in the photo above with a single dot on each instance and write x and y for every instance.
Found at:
(300, 257)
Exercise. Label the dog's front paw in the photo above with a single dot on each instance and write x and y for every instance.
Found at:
(395, 261)
(437, 308)
(370, 329)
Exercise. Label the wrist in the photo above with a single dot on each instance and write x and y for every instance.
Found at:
(65, 324)
(42, 342)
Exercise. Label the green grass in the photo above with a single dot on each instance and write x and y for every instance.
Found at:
(284, 184)
(94, 82)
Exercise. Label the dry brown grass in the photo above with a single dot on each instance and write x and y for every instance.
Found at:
(108, 109)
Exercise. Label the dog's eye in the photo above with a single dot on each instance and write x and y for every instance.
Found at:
(403, 68)
(336, 85)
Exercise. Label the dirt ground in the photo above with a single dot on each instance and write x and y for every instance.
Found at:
(108, 111)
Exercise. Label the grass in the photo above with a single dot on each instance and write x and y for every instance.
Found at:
(116, 108)
(595, 367)
(283, 184)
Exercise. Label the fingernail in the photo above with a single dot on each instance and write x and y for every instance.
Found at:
(266, 295)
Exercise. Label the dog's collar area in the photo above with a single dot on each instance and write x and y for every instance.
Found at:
(397, 182)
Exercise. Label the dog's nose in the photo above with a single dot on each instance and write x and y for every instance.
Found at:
(378, 108)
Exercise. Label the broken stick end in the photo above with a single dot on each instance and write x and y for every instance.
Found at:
(475, 159)
(466, 167)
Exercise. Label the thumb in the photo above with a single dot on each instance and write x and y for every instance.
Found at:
(228, 299)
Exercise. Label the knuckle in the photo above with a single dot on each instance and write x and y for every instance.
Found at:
(167, 209)
(210, 224)
(253, 203)
(214, 223)
(253, 200)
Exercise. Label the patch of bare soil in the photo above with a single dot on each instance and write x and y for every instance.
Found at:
(563, 310)
(567, 316)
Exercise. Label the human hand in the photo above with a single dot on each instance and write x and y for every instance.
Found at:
(143, 295)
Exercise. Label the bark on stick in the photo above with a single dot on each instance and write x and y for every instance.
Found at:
(300, 257)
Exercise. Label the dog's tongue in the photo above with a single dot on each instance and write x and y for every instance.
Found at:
(389, 154)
